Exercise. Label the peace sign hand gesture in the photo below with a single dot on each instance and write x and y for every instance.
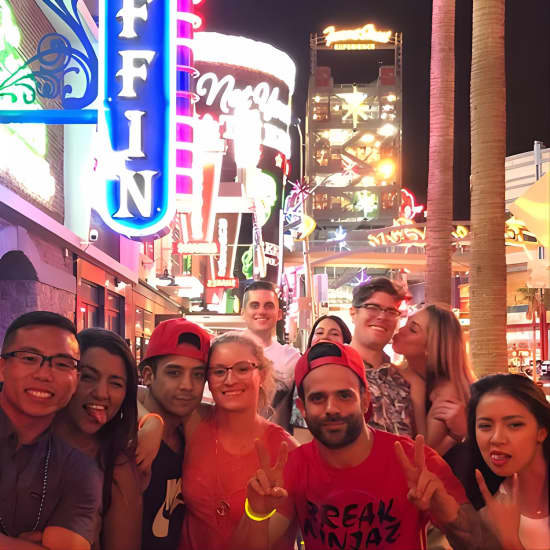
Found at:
(426, 490)
(265, 490)
(502, 512)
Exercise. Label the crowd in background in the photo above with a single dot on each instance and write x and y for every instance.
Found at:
(334, 448)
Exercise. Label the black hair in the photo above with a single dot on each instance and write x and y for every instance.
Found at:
(520, 388)
(259, 285)
(117, 438)
(34, 318)
(324, 349)
(346, 334)
(379, 284)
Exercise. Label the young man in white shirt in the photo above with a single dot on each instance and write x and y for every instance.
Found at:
(261, 311)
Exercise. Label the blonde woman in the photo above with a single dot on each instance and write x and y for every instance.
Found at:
(432, 343)
(220, 453)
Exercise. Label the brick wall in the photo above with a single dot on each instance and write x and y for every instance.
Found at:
(17, 297)
(33, 26)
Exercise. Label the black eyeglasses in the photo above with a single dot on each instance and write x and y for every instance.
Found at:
(34, 360)
(374, 310)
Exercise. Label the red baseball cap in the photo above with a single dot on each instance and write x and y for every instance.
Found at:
(329, 353)
(167, 340)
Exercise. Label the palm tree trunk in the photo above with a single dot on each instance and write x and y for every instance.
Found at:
(488, 132)
(440, 171)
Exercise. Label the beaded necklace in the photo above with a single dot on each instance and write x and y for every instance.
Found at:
(43, 497)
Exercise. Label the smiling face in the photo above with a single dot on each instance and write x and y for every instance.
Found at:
(176, 384)
(328, 329)
(334, 405)
(374, 330)
(412, 339)
(261, 312)
(38, 392)
(507, 434)
(100, 392)
(235, 393)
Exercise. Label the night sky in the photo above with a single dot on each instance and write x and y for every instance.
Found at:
(287, 24)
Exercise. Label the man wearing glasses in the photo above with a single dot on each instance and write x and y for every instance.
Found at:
(375, 313)
(50, 493)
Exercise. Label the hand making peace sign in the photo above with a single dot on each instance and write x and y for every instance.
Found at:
(265, 490)
(426, 490)
(502, 511)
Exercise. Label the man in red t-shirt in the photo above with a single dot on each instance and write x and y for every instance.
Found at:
(353, 487)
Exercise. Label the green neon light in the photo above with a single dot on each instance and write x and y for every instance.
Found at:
(27, 143)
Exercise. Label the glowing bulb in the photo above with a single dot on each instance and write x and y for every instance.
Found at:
(386, 168)
(387, 130)
(392, 97)
(317, 99)
(367, 138)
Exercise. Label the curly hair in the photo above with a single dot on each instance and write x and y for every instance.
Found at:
(265, 366)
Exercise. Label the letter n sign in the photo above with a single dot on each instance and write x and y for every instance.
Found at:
(139, 87)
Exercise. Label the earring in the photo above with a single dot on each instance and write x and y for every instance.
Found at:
(121, 414)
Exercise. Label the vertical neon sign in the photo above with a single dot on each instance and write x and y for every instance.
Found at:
(145, 124)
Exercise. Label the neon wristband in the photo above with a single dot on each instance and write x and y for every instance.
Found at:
(148, 415)
(253, 516)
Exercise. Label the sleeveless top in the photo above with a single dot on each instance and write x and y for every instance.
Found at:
(214, 487)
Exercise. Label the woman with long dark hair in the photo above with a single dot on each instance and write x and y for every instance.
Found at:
(101, 421)
(508, 425)
(432, 343)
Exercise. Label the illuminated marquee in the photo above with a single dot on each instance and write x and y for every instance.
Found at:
(363, 38)
(145, 86)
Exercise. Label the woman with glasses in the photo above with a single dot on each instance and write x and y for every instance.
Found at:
(101, 421)
(220, 453)
(432, 343)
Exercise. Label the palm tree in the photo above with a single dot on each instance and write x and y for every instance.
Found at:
(440, 171)
(488, 134)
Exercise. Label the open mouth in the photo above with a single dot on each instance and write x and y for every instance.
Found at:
(97, 412)
(39, 394)
(499, 459)
(232, 393)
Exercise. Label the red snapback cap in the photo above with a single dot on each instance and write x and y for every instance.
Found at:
(329, 353)
(166, 339)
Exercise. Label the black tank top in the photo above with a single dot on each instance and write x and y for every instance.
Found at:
(163, 507)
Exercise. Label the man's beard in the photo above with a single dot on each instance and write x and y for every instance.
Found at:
(317, 426)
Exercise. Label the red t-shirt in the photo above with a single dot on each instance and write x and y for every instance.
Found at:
(210, 476)
(363, 507)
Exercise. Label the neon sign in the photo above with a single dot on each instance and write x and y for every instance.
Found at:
(355, 37)
(145, 122)
(26, 143)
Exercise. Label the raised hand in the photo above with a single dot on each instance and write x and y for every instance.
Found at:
(426, 490)
(452, 413)
(265, 490)
(502, 512)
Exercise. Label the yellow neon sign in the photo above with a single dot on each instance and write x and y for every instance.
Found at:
(368, 33)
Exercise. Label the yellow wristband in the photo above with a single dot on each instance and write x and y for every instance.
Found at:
(145, 417)
(253, 516)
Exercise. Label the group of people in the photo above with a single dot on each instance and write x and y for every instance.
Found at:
(90, 460)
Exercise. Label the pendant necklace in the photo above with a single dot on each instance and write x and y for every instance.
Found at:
(222, 506)
(42, 498)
